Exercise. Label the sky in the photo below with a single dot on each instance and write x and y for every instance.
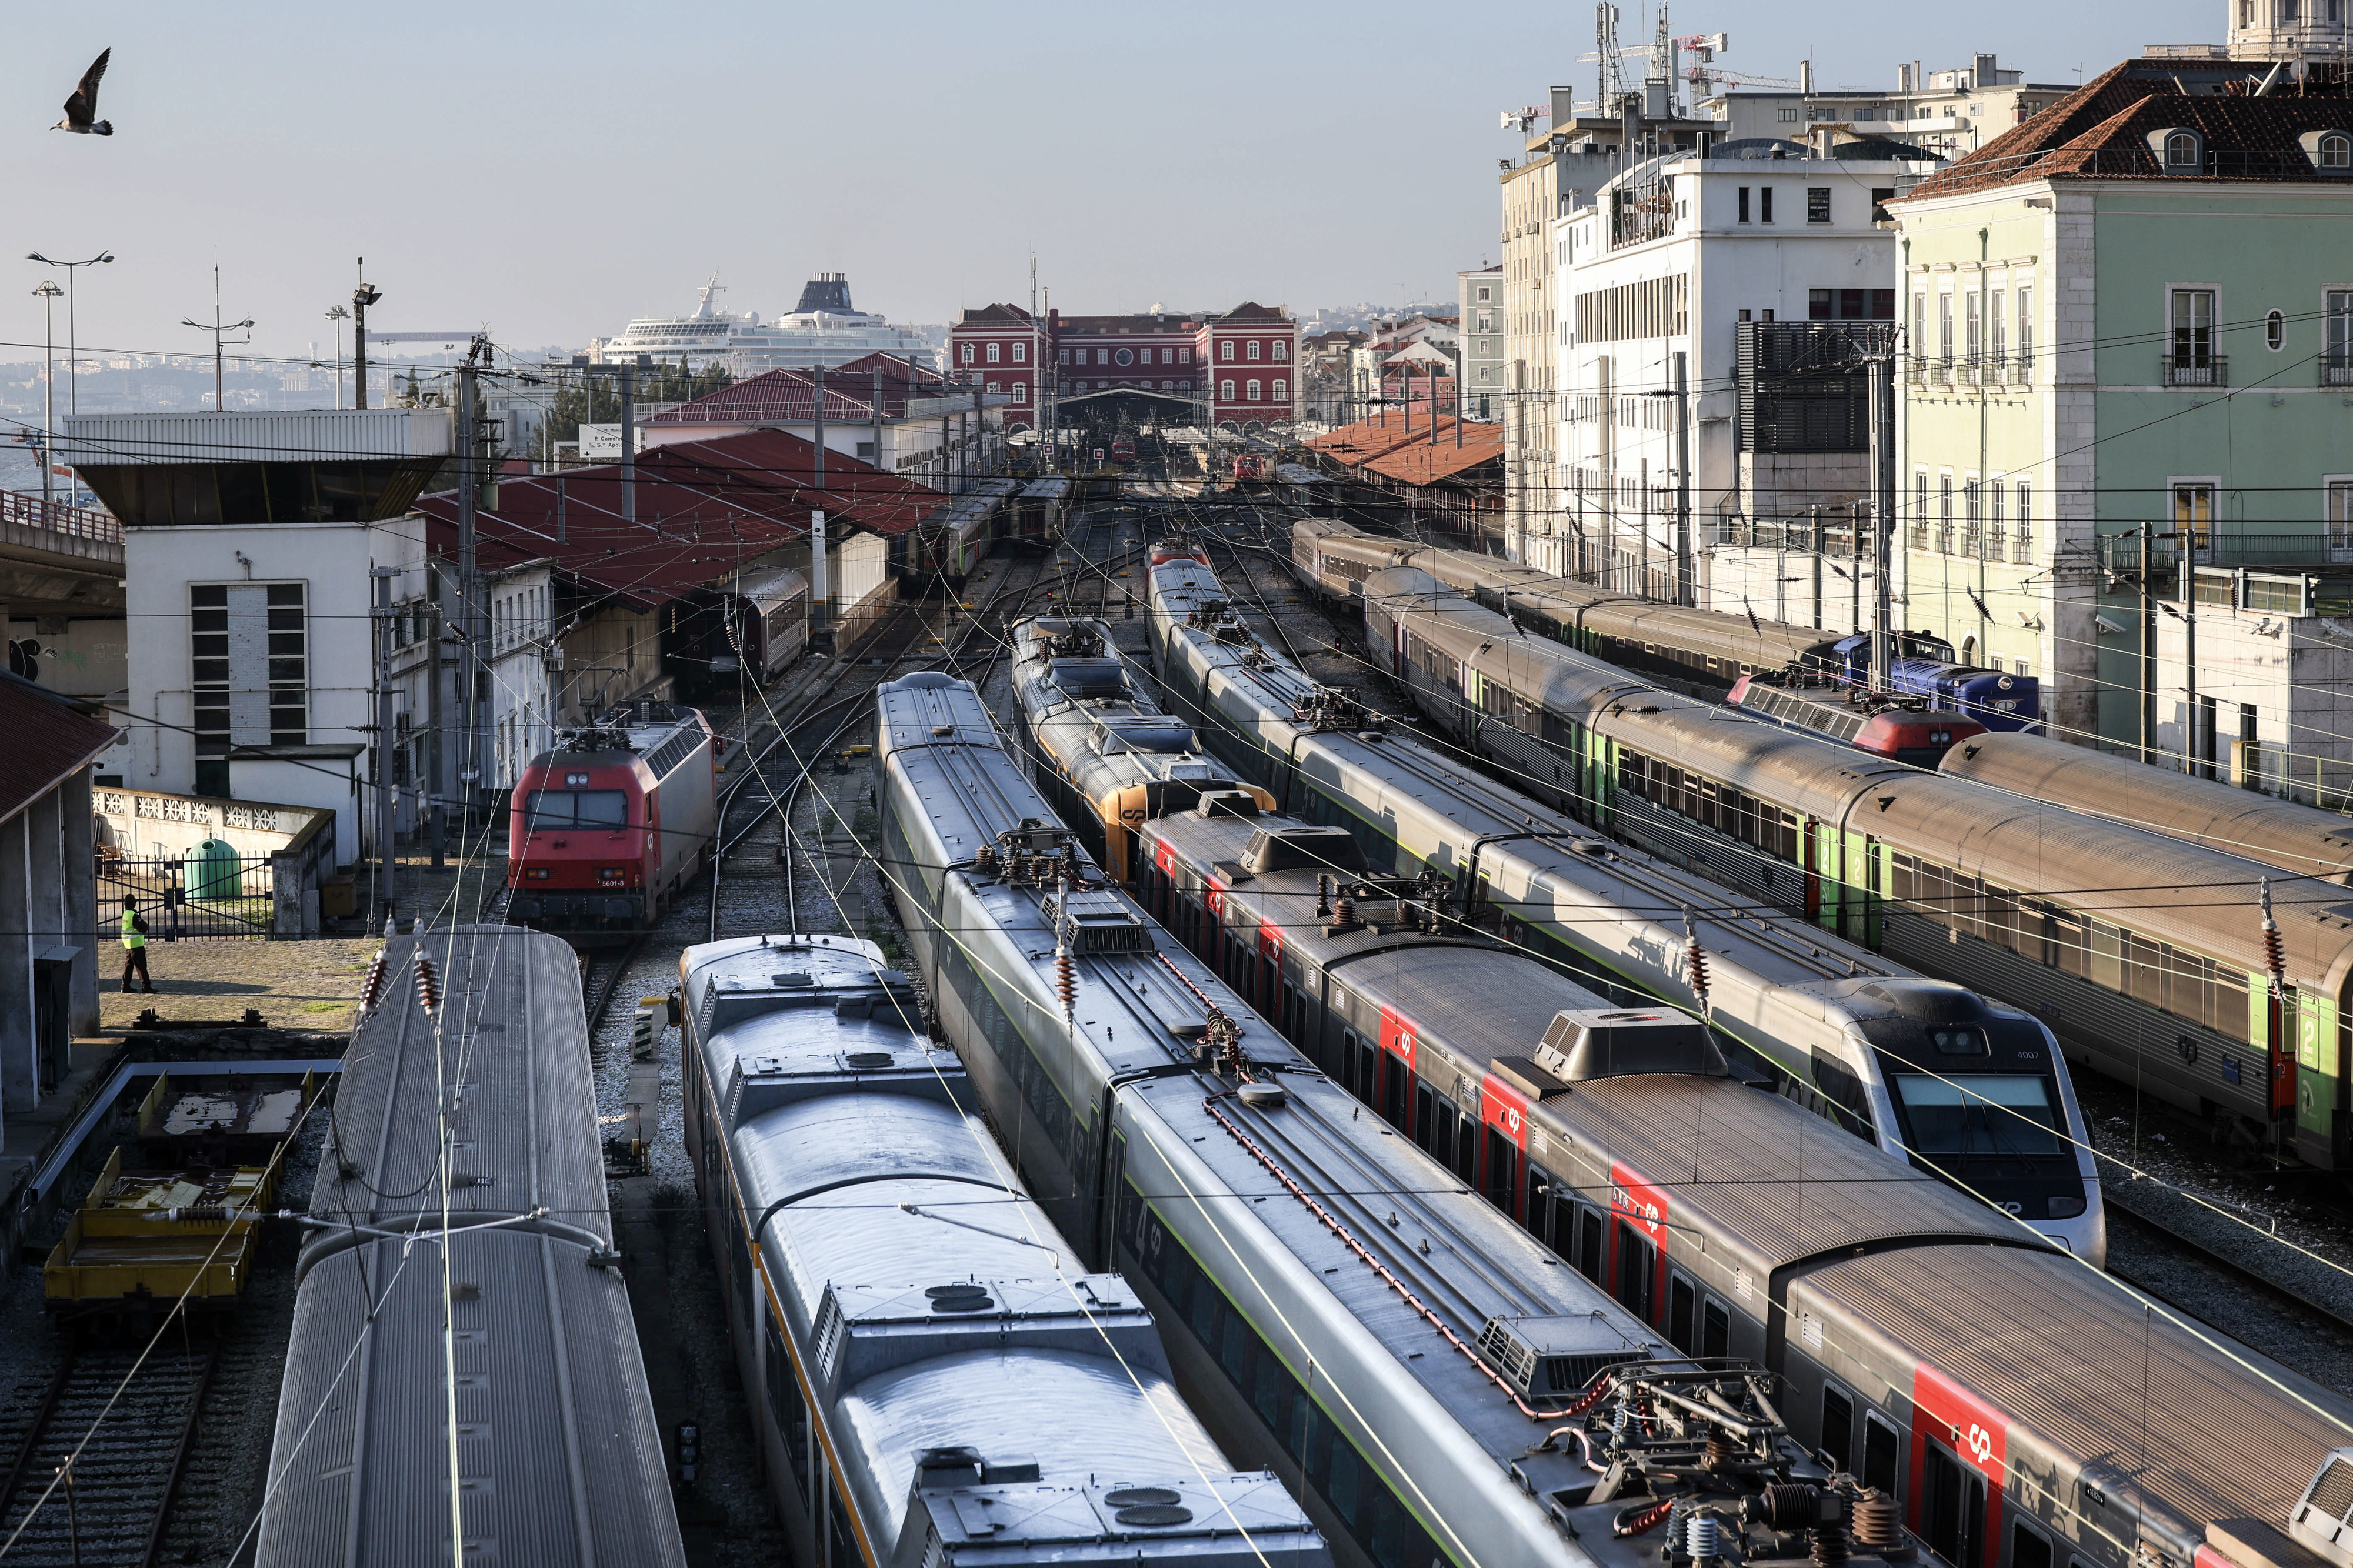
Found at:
(548, 171)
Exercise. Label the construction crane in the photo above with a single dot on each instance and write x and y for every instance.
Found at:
(1706, 79)
(1526, 119)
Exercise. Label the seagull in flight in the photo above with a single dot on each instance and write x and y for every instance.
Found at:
(81, 108)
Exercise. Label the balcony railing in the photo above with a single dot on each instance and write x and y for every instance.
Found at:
(2121, 552)
(1940, 373)
(2196, 369)
(78, 521)
(2337, 370)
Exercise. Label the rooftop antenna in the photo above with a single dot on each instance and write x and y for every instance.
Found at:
(1612, 71)
(1662, 62)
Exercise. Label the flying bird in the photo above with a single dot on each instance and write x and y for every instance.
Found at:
(81, 108)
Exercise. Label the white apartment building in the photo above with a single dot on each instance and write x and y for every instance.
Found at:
(1670, 439)
(1479, 305)
(1949, 113)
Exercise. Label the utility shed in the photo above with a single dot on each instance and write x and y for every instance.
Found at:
(48, 957)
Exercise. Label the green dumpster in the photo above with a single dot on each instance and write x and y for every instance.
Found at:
(213, 870)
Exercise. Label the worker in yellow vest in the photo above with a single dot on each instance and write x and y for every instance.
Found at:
(134, 947)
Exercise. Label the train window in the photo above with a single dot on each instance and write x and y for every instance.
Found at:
(1588, 1243)
(1393, 1089)
(1540, 1185)
(2029, 1547)
(1466, 1149)
(1844, 1091)
(1636, 1273)
(1503, 1170)
(786, 1408)
(1879, 1451)
(1441, 1134)
(1715, 1328)
(1837, 1426)
(841, 1539)
(1681, 1298)
(1423, 1113)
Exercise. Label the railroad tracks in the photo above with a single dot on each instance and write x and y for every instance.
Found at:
(111, 1505)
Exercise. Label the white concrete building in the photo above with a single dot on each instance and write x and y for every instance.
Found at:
(1479, 303)
(1704, 304)
(1950, 112)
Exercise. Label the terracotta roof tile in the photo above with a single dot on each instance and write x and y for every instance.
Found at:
(48, 738)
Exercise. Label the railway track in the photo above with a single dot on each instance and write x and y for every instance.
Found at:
(602, 971)
(2168, 1240)
(111, 1507)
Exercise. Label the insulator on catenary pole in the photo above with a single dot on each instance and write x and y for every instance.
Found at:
(429, 986)
(373, 992)
(1694, 958)
(2274, 948)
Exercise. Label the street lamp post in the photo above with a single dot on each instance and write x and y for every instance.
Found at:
(48, 294)
(337, 314)
(220, 399)
(73, 337)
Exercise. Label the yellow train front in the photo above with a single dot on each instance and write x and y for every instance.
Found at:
(1099, 747)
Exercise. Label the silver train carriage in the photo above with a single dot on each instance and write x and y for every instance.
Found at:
(935, 1378)
(1096, 743)
(2146, 954)
(558, 1458)
(1864, 1041)
(2303, 840)
(1948, 1357)
(1337, 1304)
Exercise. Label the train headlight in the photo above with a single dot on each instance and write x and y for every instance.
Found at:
(536, 874)
(611, 873)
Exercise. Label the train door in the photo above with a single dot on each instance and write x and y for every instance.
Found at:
(1424, 1111)
(1502, 1173)
(1682, 1313)
(1536, 1212)
(1809, 837)
(1714, 1327)
(1635, 1271)
(1396, 1083)
(1952, 1507)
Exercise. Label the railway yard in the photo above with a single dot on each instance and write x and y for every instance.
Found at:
(168, 1423)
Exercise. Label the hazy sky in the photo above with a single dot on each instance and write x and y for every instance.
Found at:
(551, 169)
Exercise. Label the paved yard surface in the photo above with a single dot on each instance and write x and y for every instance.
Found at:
(302, 985)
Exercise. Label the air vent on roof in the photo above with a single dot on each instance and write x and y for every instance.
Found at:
(1098, 923)
(2322, 1521)
(790, 979)
(1542, 1357)
(1588, 1043)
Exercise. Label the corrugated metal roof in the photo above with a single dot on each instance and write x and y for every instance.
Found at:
(2065, 1351)
(307, 436)
(703, 509)
(48, 738)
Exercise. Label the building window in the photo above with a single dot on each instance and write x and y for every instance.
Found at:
(1168, 387)
(2338, 361)
(1880, 197)
(1226, 348)
(1485, 294)
(1969, 520)
(1999, 326)
(1124, 357)
(1281, 350)
(2274, 332)
(1103, 356)
(1064, 357)
(1257, 349)
(2193, 328)
(2025, 547)
(1021, 391)
(1077, 387)
(1020, 353)
(995, 352)
(2291, 10)
(1225, 392)
(2335, 149)
(1744, 204)
(1184, 355)
(1995, 533)
(993, 389)
(1919, 535)
(2181, 150)
(2025, 333)
(1252, 389)
(1970, 328)
(967, 354)
(249, 675)
(1185, 386)
(2340, 519)
(1818, 204)
(1945, 328)
(2193, 516)
(1281, 392)
(1764, 203)
(1944, 514)
(1788, 114)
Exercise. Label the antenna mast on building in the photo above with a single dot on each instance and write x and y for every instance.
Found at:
(1663, 63)
(1611, 82)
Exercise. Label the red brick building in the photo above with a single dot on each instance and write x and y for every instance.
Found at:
(1240, 367)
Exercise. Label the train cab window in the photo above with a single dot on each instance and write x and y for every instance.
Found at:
(1954, 1508)
(1715, 1328)
(1636, 1273)
(1588, 1243)
(2029, 1547)
(581, 810)
(1681, 1299)
(1837, 1426)
(1879, 1450)
(1424, 1113)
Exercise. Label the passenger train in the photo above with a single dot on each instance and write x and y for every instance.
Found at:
(473, 1042)
(1842, 1029)
(714, 641)
(606, 829)
(1340, 1307)
(1705, 647)
(2019, 1408)
(935, 1377)
(2195, 974)
(1094, 742)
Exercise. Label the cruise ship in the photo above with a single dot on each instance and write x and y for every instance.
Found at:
(824, 329)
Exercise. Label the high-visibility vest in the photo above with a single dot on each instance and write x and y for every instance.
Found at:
(131, 937)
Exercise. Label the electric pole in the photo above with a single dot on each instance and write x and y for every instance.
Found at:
(338, 315)
(1686, 583)
(1881, 368)
(48, 292)
(388, 905)
(628, 443)
(220, 404)
(470, 649)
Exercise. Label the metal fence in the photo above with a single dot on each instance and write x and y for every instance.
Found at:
(193, 899)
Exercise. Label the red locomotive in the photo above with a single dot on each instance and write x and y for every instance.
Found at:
(609, 826)
(1902, 731)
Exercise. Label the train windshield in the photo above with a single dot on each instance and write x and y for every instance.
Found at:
(1984, 1113)
(552, 810)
